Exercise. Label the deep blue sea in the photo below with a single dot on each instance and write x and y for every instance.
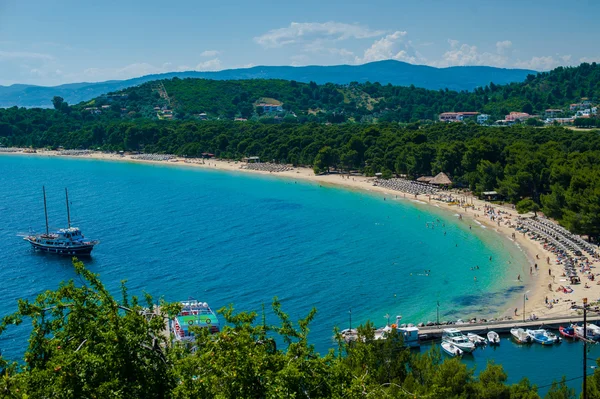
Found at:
(233, 238)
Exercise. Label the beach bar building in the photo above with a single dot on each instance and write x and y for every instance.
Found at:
(251, 159)
(490, 196)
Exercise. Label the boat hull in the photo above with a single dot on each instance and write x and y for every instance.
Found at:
(83, 250)
(520, 337)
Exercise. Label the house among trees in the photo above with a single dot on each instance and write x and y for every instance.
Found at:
(517, 116)
(553, 112)
(456, 116)
(270, 108)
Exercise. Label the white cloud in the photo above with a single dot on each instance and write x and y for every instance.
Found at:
(464, 54)
(299, 59)
(210, 53)
(503, 47)
(590, 59)
(14, 55)
(540, 63)
(299, 32)
(392, 46)
(210, 65)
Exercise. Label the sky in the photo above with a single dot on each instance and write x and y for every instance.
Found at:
(48, 43)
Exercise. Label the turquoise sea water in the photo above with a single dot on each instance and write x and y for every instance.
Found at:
(176, 231)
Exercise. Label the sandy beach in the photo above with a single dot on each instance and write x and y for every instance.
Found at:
(494, 217)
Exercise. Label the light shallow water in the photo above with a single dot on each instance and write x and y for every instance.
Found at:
(227, 238)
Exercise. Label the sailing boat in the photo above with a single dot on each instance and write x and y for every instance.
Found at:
(69, 241)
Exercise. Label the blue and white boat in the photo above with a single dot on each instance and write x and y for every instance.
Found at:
(542, 336)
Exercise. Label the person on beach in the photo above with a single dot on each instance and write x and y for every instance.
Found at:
(515, 311)
(519, 277)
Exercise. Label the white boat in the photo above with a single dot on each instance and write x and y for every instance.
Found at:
(478, 340)
(493, 338)
(520, 335)
(542, 336)
(458, 339)
(592, 332)
(450, 349)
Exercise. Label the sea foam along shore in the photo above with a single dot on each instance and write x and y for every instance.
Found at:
(537, 287)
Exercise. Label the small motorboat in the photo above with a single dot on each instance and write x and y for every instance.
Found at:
(493, 338)
(476, 339)
(451, 349)
(568, 332)
(520, 335)
(458, 339)
(592, 332)
(542, 336)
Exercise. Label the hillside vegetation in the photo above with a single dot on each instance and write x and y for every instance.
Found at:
(357, 102)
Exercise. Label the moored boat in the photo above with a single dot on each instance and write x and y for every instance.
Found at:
(69, 241)
(194, 313)
(476, 339)
(451, 349)
(568, 332)
(542, 336)
(493, 338)
(458, 339)
(520, 335)
(592, 332)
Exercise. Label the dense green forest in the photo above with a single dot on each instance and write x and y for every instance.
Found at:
(364, 102)
(84, 343)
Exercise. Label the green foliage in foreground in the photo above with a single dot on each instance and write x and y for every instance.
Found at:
(87, 344)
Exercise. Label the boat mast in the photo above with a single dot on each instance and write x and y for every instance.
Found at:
(45, 209)
(68, 213)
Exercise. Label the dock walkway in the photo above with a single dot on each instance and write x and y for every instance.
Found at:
(503, 327)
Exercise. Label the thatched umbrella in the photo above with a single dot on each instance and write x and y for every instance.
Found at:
(441, 179)
(425, 179)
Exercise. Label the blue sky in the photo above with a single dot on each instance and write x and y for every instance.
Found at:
(52, 42)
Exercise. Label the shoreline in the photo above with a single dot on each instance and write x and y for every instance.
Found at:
(535, 286)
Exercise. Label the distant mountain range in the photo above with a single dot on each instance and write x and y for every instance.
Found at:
(394, 72)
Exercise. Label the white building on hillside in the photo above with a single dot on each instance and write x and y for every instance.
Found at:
(483, 118)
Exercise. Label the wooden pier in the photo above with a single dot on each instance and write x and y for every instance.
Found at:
(503, 327)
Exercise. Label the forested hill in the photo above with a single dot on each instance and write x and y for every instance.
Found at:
(357, 102)
(384, 72)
